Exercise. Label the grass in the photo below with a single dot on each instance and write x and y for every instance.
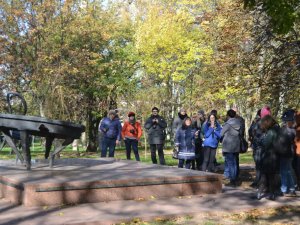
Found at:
(37, 152)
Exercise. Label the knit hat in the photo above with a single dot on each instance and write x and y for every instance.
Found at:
(265, 111)
(112, 112)
(155, 108)
(131, 114)
(201, 112)
(288, 115)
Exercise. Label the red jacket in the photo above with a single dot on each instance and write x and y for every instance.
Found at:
(129, 130)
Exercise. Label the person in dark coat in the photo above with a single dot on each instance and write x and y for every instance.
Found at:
(230, 137)
(111, 128)
(185, 141)
(177, 123)
(198, 123)
(242, 133)
(155, 126)
(285, 148)
(212, 135)
(269, 161)
(255, 135)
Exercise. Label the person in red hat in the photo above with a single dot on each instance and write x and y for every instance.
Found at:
(131, 133)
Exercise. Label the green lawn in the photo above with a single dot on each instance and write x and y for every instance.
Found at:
(37, 152)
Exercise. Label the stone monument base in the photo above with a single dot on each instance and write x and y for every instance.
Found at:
(75, 181)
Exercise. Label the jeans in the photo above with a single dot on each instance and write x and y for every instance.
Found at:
(187, 163)
(132, 144)
(231, 165)
(108, 143)
(209, 158)
(160, 149)
(287, 177)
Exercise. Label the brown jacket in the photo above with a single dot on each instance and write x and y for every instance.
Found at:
(297, 139)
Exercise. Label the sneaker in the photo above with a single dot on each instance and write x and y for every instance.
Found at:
(259, 195)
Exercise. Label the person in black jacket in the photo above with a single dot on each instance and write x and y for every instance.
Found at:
(198, 121)
(255, 135)
(285, 147)
(155, 126)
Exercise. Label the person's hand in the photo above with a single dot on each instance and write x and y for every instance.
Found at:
(117, 142)
(197, 133)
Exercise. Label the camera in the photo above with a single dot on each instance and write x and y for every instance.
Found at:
(132, 131)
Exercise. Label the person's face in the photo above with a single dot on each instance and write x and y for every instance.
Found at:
(290, 123)
(200, 116)
(188, 123)
(154, 112)
(212, 119)
(183, 112)
(111, 116)
(131, 117)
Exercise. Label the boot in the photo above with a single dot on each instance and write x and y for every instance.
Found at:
(272, 197)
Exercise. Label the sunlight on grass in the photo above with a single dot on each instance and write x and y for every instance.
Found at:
(37, 152)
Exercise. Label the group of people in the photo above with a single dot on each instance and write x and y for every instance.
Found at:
(277, 160)
(276, 152)
(197, 139)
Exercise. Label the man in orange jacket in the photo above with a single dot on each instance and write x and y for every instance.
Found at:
(131, 133)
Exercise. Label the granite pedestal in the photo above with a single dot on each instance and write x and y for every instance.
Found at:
(75, 181)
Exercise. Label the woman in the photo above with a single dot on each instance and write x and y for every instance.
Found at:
(212, 135)
(269, 161)
(185, 141)
(131, 133)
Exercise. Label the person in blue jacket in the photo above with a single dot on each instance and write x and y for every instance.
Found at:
(111, 128)
(212, 135)
(185, 141)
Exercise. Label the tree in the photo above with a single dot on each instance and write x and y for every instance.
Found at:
(283, 14)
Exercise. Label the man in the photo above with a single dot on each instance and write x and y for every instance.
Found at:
(241, 120)
(155, 126)
(111, 128)
(255, 135)
(230, 137)
(242, 132)
(198, 124)
(286, 148)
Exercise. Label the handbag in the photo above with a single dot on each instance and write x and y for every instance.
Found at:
(243, 144)
(175, 152)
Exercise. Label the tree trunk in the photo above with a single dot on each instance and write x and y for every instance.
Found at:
(91, 132)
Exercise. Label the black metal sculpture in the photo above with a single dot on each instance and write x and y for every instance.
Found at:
(37, 126)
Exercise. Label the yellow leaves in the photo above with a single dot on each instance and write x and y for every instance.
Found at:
(169, 44)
